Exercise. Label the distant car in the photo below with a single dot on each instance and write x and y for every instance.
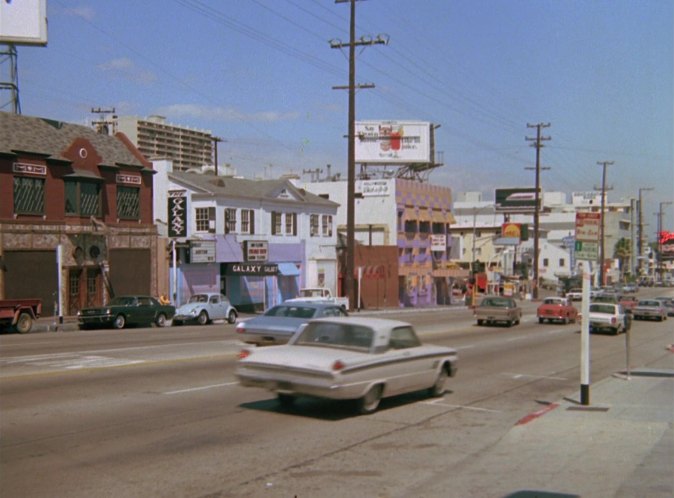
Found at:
(630, 288)
(348, 358)
(557, 309)
(204, 308)
(605, 297)
(575, 294)
(608, 316)
(628, 302)
(280, 322)
(498, 309)
(126, 310)
(648, 309)
(669, 304)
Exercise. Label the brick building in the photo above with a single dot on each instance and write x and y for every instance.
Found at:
(91, 194)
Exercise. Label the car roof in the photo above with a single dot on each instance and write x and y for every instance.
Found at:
(374, 323)
(307, 304)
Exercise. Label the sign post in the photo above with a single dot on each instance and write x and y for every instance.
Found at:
(586, 249)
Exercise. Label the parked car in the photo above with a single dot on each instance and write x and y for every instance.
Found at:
(608, 316)
(126, 310)
(494, 309)
(575, 294)
(648, 309)
(668, 303)
(557, 309)
(349, 358)
(204, 308)
(280, 322)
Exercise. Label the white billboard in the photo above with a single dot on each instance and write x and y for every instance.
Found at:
(23, 22)
(393, 142)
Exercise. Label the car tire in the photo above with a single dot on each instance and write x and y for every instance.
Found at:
(480, 322)
(24, 323)
(161, 320)
(566, 320)
(370, 402)
(541, 320)
(202, 319)
(438, 387)
(119, 322)
(285, 400)
(231, 317)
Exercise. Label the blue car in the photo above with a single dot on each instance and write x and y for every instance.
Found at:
(204, 308)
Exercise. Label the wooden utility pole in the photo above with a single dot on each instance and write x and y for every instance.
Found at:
(602, 250)
(538, 144)
(349, 287)
(640, 231)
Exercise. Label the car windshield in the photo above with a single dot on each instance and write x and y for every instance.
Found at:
(291, 311)
(497, 302)
(198, 298)
(336, 335)
(123, 301)
(602, 308)
(649, 303)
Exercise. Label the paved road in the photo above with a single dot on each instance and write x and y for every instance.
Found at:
(156, 412)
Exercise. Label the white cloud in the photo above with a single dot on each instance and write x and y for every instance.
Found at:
(224, 114)
(86, 13)
(125, 68)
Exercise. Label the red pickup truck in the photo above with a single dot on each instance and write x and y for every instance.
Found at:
(19, 314)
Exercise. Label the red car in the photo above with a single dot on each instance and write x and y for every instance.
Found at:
(557, 309)
(628, 302)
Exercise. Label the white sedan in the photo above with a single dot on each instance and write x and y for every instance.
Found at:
(364, 359)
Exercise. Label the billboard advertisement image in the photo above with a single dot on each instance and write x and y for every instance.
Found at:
(516, 200)
(393, 142)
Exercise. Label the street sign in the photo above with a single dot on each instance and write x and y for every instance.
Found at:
(586, 250)
(587, 226)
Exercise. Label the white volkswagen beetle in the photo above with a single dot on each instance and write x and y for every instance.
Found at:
(364, 359)
(204, 308)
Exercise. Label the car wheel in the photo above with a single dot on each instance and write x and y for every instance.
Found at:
(509, 323)
(161, 320)
(119, 322)
(231, 318)
(370, 402)
(566, 320)
(480, 322)
(202, 319)
(438, 388)
(24, 323)
(541, 320)
(285, 400)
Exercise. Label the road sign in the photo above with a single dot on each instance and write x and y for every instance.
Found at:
(586, 250)
(587, 226)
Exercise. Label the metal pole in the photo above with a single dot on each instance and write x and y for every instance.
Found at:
(585, 337)
(59, 279)
(174, 289)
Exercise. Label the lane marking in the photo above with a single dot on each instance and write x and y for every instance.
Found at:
(439, 402)
(202, 388)
(521, 375)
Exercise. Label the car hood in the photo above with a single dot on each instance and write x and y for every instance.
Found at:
(187, 308)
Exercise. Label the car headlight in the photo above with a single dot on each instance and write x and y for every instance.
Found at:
(108, 311)
(193, 312)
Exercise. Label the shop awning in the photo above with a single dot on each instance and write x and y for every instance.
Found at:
(288, 269)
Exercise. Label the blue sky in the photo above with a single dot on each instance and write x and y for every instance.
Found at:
(259, 74)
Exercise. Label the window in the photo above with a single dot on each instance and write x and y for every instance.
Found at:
(276, 223)
(291, 223)
(546, 262)
(313, 225)
(28, 195)
(247, 221)
(562, 262)
(403, 338)
(205, 219)
(128, 203)
(83, 198)
(327, 225)
(230, 220)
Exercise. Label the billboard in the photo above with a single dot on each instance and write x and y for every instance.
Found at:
(516, 200)
(666, 241)
(23, 22)
(393, 142)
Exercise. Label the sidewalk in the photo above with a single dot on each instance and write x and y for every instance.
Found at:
(621, 445)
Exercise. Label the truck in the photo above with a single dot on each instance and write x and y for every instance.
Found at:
(19, 314)
(320, 294)
(494, 309)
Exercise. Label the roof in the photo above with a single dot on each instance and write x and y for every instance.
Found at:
(251, 189)
(19, 133)
(373, 323)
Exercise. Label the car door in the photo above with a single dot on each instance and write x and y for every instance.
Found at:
(407, 370)
(145, 311)
(216, 307)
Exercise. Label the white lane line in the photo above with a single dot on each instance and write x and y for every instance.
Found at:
(202, 388)
(521, 375)
(439, 402)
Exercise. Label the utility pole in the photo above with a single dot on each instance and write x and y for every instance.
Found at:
(216, 141)
(640, 234)
(602, 254)
(660, 237)
(349, 288)
(538, 144)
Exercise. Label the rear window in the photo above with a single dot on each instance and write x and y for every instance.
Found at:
(292, 311)
(602, 308)
(337, 335)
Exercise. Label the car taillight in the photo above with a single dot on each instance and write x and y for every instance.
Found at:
(239, 329)
(338, 365)
(244, 353)
(613, 321)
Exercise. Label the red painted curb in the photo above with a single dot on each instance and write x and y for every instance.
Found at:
(532, 416)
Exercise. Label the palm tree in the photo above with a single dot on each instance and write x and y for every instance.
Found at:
(623, 252)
